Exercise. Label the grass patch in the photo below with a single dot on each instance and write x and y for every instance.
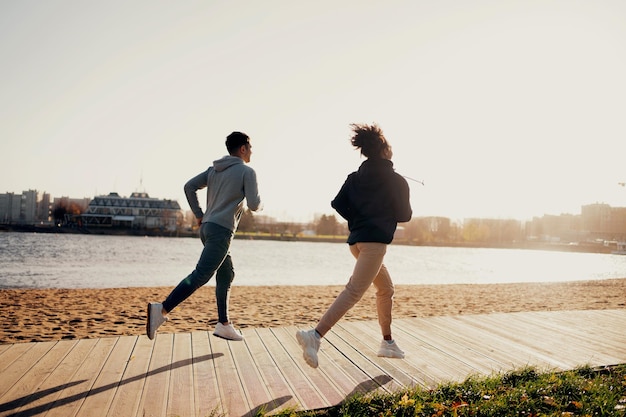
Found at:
(525, 392)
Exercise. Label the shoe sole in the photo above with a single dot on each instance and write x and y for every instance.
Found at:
(226, 338)
(148, 322)
(390, 356)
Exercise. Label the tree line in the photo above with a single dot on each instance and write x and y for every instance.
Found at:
(420, 230)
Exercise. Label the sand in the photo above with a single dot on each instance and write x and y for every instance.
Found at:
(52, 314)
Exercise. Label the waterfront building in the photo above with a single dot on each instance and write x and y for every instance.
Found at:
(24, 208)
(9, 208)
(139, 211)
(602, 221)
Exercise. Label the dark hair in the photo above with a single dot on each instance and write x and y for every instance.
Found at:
(235, 140)
(370, 139)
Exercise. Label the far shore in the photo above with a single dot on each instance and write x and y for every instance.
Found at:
(36, 315)
(584, 247)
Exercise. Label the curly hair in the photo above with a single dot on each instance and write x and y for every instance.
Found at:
(370, 139)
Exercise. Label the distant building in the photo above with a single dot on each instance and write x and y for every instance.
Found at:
(25, 208)
(28, 207)
(601, 221)
(9, 208)
(596, 222)
(43, 208)
(139, 211)
(551, 228)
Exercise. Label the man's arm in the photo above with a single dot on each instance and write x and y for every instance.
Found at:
(191, 187)
(251, 190)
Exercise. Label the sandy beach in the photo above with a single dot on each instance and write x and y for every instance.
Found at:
(53, 314)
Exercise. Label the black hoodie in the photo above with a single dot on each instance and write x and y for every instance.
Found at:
(373, 200)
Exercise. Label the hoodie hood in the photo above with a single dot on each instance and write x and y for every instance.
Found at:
(226, 162)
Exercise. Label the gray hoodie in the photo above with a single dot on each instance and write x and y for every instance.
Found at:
(228, 182)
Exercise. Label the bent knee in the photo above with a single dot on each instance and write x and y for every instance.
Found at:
(385, 291)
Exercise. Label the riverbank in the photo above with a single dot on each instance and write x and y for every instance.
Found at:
(582, 247)
(54, 314)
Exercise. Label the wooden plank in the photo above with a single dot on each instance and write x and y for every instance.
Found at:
(206, 392)
(20, 364)
(42, 398)
(342, 371)
(336, 377)
(492, 346)
(550, 343)
(612, 324)
(103, 391)
(594, 327)
(2, 349)
(578, 341)
(9, 354)
(349, 378)
(280, 391)
(544, 328)
(614, 319)
(71, 398)
(503, 345)
(304, 391)
(322, 382)
(418, 353)
(611, 321)
(232, 395)
(128, 397)
(181, 393)
(604, 332)
(519, 333)
(454, 347)
(500, 328)
(349, 341)
(154, 397)
(254, 387)
(30, 381)
(339, 366)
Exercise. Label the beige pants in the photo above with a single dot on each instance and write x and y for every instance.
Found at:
(369, 269)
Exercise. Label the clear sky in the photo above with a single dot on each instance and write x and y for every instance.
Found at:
(507, 109)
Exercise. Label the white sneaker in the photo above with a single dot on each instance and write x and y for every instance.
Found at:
(155, 319)
(227, 332)
(310, 342)
(390, 350)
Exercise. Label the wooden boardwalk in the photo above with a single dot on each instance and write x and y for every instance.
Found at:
(195, 374)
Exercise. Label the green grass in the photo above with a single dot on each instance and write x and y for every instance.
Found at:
(525, 392)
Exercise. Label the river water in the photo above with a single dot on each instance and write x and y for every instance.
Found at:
(29, 260)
